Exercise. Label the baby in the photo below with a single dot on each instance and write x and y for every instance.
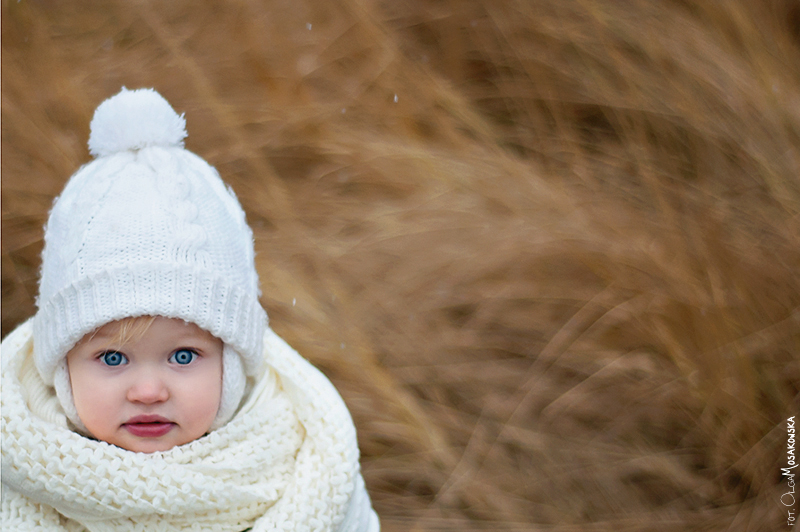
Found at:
(148, 392)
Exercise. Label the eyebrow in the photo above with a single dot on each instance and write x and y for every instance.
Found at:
(200, 335)
(96, 334)
(194, 342)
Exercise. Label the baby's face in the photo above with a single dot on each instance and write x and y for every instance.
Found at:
(152, 393)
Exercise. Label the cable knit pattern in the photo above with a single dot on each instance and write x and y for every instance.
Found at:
(288, 460)
(160, 236)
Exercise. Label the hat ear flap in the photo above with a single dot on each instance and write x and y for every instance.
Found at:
(234, 381)
(63, 388)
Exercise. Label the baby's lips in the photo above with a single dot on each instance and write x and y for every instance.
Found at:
(146, 418)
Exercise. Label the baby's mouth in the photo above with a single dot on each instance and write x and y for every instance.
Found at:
(148, 426)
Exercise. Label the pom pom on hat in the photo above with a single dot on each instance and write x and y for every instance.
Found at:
(133, 120)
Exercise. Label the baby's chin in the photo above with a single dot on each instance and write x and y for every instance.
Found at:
(146, 445)
(151, 449)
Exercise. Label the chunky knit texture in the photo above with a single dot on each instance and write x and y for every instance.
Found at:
(147, 228)
(288, 460)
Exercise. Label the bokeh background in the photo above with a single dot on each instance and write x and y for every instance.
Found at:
(548, 251)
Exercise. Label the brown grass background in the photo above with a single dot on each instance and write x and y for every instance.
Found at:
(548, 251)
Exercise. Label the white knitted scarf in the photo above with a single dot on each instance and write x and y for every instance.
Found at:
(287, 461)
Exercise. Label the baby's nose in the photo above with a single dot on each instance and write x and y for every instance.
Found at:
(148, 388)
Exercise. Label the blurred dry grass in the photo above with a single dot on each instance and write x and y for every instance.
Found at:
(548, 251)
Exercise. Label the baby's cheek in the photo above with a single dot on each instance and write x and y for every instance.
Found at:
(210, 408)
(204, 402)
(96, 405)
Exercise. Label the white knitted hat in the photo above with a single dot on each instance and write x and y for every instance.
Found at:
(147, 228)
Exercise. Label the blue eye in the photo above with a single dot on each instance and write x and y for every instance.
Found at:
(183, 357)
(113, 358)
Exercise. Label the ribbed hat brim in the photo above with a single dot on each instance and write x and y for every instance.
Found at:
(209, 301)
